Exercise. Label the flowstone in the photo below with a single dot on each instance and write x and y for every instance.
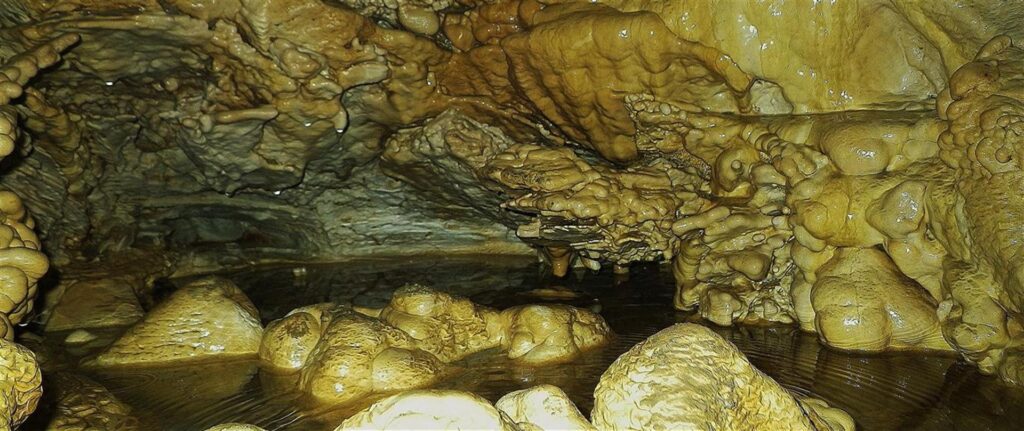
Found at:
(207, 319)
(687, 377)
(345, 354)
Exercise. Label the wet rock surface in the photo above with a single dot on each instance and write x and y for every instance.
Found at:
(687, 377)
(210, 318)
(848, 170)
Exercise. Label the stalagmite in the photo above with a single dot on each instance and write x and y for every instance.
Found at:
(253, 196)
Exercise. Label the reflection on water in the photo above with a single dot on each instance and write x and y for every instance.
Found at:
(882, 392)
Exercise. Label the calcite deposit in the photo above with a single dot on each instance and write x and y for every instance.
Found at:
(82, 404)
(207, 319)
(345, 354)
(20, 384)
(852, 169)
(358, 356)
(543, 407)
(430, 409)
(235, 427)
(687, 377)
(684, 377)
(544, 334)
(447, 326)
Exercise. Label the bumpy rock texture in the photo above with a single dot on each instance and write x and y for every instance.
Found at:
(346, 354)
(20, 384)
(235, 427)
(83, 405)
(688, 377)
(685, 377)
(440, 410)
(22, 262)
(775, 153)
(207, 319)
(543, 407)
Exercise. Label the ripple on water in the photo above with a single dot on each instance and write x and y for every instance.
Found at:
(882, 392)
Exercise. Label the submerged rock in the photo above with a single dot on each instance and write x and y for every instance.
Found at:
(543, 407)
(448, 326)
(545, 334)
(288, 341)
(688, 377)
(430, 409)
(20, 384)
(235, 427)
(343, 356)
(209, 318)
(96, 303)
(346, 354)
(358, 356)
(540, 408)
(81, 404)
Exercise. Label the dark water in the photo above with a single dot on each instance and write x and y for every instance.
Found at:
(881, 392)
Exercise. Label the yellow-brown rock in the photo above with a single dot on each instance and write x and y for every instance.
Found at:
(344, 354)
(688, 377)
(862, 302)
(20, 384)
(982, 274)
(207, 319)
(22, 262)
(358, 356)
(850, 167)
(544, 334)
(575, 67)
(430, 409)
(96, 303)
(84, 405)
(543, 407)
(235, 427)
(763, 39)
(288, 341)
(448, 326)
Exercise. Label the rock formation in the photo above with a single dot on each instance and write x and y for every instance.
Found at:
(543, 407)
(20, 384)
(82, 404)
(431, 409)
(849, 168)
(686, 377)
(207, 319)
(345, 354)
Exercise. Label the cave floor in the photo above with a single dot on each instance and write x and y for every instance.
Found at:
(882, 392)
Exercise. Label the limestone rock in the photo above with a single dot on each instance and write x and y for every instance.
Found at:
(288, 341)
(448, 326)
(825, 417)
(862, 302)
(79, 336)
(539, 334)
(983, 273)
(359, 355)
(430, 409)
(96, 303)
(207, 319)
(762, 40)
(688, 377)
(235, 427)
(344, 354)
(623, 53)
(84, 405)
(544, 407)
(20, 384)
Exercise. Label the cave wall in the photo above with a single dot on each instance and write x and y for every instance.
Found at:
(788, 159)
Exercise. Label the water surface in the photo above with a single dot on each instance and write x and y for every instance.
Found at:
(881, 392)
